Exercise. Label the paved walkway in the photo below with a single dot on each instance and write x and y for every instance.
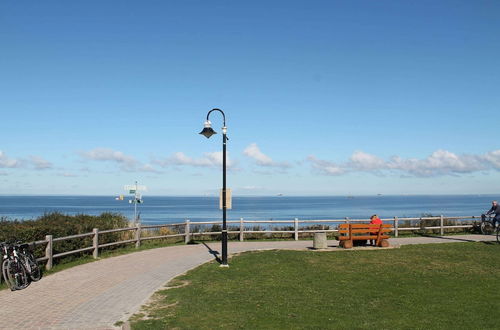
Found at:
(98, 294)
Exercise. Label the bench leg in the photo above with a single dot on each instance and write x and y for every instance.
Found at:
(383, 243)
(347, 244)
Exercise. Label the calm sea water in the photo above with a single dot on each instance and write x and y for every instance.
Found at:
(157, 209)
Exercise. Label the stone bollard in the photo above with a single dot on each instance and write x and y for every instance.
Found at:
(319, 241)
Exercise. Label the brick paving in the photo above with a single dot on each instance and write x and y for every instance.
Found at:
(98, 294)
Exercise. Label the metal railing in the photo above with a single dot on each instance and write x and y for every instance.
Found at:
(188, 234)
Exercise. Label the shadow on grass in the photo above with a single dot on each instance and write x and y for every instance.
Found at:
(213, 252)
(490, 242)
(446, 237)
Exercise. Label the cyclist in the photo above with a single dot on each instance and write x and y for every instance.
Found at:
(495, 209)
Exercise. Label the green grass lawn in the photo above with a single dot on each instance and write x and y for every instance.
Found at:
(436, 286)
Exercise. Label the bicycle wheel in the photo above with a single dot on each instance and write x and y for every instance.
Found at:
(34, 270)
(17, 274)
(498, 234)
(487, 228)
(4, 273)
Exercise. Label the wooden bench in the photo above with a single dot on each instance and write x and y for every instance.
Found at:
(348, 233)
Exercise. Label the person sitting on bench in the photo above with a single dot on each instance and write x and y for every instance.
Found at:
(374, 220)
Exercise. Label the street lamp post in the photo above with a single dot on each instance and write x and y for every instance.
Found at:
(208, 132)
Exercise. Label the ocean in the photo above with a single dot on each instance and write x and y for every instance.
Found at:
(162, 209)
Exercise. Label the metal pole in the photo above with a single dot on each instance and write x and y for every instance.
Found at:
(135, 204)
(224, 206)
(224, 227)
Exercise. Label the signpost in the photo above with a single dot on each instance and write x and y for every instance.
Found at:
(134, 189)
(229, 199)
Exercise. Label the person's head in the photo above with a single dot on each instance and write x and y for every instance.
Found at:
(494, 203)
(373, 217)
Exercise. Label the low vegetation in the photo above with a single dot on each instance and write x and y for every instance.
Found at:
(59, 225)
(435, 286)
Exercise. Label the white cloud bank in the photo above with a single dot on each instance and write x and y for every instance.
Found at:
(36, 162)
(127, 163)
(39, 163)
(106, 154)
(209, 159)
(6, 162)
(261, 159)
(440, 162)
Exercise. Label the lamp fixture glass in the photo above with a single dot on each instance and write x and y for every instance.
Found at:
(208, 130)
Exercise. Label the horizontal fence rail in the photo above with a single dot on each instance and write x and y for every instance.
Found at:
(187, 230)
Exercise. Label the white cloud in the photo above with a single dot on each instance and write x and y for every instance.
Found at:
(365, 162)
(493, 158)
(6, 162)
(36, 162)
(127, 163)
(253, 151)
(440, 162)
(251, 188)
(209, 159)
(39, 163)
(67, 175)
(148, 168)
(106, 154)
(325, 167)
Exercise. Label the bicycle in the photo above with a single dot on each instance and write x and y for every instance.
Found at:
(487, 226)
(29, 262)
(13, 270)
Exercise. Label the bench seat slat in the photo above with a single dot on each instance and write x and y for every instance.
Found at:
(361, 237)
(370, 230)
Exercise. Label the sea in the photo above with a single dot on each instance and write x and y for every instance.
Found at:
(168, 209)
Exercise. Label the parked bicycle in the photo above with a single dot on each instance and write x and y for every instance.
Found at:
(19, 267)
(487, 225)
(29, 261)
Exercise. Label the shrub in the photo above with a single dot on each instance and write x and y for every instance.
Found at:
(59, 225)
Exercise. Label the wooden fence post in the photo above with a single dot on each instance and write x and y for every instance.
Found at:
(396, 227)
(441, 223)
(48, 252)
(296, 228)
(138, 235)
(187, 235)
(95, 252)
(242, 229)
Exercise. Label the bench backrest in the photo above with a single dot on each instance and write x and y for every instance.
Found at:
(364, 228)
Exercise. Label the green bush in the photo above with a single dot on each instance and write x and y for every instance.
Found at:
(59, 225)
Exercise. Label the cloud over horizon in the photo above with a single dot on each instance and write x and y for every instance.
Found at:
(39, 163)
(261, 159)
(127, 163)
(209, 159)
(6, 162)
(36, 162)
(439, 163)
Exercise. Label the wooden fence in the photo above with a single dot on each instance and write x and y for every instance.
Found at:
(185, 231)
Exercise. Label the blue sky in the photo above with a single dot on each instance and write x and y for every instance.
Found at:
(321, 97)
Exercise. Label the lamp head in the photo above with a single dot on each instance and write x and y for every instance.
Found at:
(208, 130)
